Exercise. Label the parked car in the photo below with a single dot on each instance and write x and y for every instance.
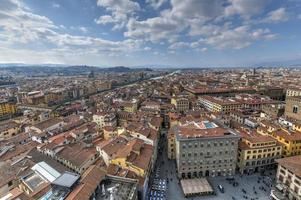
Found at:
(221, 188)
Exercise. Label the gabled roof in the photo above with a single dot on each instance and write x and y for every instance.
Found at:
(88, 183)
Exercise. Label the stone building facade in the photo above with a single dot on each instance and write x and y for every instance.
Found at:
(204, 149)
(293, 107)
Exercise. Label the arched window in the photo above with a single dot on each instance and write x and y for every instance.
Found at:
(295, 109)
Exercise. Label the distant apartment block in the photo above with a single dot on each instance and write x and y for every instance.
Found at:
(7, 107)
(215, 104)
(103, 119)
(181, 103)
(9, 129)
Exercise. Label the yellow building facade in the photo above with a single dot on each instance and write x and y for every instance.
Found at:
(181, 103)
(214, 104)
(291, 140)
(171, 149)
(130, 107)
(7, 108)
(9, 129)
(257, 153)
(128, 165)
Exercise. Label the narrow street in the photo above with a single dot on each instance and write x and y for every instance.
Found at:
(167, 171)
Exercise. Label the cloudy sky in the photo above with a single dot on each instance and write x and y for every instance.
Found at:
(186, 33)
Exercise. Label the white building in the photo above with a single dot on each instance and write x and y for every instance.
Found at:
(288, 179)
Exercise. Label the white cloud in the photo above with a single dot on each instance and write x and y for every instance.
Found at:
(62, 26)
(171, 22)
(196, 9)
(207, 23)
(208, 29)
(83, 29)
(61, 55)
(263, 34)
(197, 46)
(29, 56)
(156, 4)
(120, 11)
(275, 16)
(85, 42)
(124, 6)
(199, 19)
(56, 5)
(153, 29)
(179, 45)
(246, 8)
(204, 49)
(18, 26)
(238, 38)
(105, 19)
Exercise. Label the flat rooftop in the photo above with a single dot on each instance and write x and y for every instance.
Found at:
(199, 129)
(33, 181)
(221, 101)
(198, 186)
(67, 179)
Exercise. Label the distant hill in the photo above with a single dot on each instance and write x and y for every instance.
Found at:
(38, 70)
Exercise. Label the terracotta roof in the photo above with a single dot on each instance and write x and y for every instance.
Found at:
(144, 158)
(292, 163)
(48, 123)
(18, 150)
(255, 137)
(150, 103)
(88, 183)
(222, 101)
(17, 194)
(112, 146)
(174, 116)
(8, 125)
(133, 145)
(288, 135)
(77, 154)
(109, 128)
(113, 169)
(244, 146)
(59, 138)
(156, 121)
(153, 135)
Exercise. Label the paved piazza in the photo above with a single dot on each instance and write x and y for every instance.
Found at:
(246, 183)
